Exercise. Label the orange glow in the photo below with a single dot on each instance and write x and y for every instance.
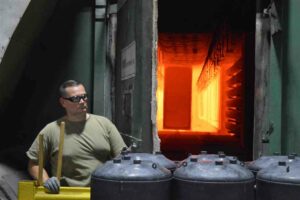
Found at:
(207, 108)
(205, 103)
(214, 109)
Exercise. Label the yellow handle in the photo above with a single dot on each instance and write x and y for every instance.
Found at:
(60, 150)
(41, 159)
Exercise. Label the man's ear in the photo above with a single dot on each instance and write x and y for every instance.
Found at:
(61, 101)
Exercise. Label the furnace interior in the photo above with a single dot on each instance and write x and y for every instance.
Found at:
(205, 77)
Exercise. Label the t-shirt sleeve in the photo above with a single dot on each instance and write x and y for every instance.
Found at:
(33, 151)
(116, 141)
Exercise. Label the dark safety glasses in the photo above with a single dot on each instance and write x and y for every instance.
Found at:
(76, 99)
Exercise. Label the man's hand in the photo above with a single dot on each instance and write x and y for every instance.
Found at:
(52, 185)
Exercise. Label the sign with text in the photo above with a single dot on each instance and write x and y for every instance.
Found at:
(128, 61)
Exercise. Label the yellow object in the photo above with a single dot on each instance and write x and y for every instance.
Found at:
(60, 150)
(28, 190)
(41, 159)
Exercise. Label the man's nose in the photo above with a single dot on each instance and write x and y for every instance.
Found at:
(81, 100)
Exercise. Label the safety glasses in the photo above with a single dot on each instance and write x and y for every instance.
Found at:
(76, 99)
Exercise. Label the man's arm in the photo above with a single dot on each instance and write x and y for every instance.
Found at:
(52, 184)
(33, 170)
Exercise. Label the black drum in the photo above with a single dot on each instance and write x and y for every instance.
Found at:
(131, 179)
(266, 161)
(156, 157)
(217, 180)
(204, 157)
(279, 181)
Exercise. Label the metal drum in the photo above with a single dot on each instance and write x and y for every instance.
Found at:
(130, 179)
(156, 157)
(195, 180)
(279, 181)
(266, 161)
(203, 157)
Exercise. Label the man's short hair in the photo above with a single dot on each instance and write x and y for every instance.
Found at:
(68, 83)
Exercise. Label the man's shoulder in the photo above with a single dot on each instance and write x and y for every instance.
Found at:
(56, 122)
(99, 118)
(53, 125)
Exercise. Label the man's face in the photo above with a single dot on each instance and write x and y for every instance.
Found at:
(75, 101)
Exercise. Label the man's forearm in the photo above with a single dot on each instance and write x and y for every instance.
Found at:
(33, 170)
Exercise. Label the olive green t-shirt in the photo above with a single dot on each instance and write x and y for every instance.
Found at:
(87, 145)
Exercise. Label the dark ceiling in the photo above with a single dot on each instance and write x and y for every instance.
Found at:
(204, 16)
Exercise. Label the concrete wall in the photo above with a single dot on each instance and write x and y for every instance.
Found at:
(52, 43)
(135, 50)
(21, 23)
(291, 80)
(284, 111)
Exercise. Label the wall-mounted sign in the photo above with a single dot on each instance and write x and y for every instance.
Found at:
(128, 61)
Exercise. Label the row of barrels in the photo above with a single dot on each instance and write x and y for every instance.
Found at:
(205, 176)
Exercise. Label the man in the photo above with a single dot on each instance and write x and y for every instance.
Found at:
(89, 140)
